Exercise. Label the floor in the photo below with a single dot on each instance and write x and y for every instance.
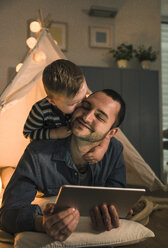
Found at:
(159, 225)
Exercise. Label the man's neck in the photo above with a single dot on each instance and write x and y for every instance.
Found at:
(79, 148)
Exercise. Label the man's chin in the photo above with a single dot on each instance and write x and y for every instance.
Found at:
(79, 132)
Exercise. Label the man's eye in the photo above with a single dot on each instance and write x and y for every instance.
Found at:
(99, 117)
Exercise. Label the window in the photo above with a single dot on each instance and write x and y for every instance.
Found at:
(164, 64)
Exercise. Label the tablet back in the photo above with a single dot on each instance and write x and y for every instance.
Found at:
(84, 198)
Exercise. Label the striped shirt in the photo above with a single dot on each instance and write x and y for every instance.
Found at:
(42, 117)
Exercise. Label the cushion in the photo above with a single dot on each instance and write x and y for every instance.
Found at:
(129, 232)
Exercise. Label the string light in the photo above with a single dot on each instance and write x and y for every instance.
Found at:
(18, 67)
(35, 26)
(31, 42)
(39, 56)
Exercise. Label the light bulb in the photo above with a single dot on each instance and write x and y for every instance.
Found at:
(31, 42)
(18, 67)
(39, 56)
(35, 26)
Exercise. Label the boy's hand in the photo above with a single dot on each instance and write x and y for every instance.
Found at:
(60, 132)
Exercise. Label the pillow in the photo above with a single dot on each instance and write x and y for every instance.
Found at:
(129, 232)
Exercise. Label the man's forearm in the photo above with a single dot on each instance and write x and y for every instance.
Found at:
(19, 219)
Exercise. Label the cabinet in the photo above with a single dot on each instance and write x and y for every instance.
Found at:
(140, 90)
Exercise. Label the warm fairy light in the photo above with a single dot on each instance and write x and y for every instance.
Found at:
(39, 56)
(31, 42)
(18, 67)
(35, 26)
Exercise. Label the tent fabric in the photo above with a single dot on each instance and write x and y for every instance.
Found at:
(31, 71)
(18, 98)
(139, 173)
(27, 88)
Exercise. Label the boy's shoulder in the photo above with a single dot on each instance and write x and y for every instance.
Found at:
(43, 103)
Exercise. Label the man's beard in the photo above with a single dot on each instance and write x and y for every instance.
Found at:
(93, 136)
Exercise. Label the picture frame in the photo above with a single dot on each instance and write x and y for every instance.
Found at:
(59, 34)
(100, 37)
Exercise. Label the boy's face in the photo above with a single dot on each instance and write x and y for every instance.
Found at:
(67, 104)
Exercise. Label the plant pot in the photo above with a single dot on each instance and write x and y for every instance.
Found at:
(145, 64)
(122, 63)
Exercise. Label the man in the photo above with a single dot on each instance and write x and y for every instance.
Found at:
(47, 165)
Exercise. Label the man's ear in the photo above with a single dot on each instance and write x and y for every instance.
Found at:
(113, 131)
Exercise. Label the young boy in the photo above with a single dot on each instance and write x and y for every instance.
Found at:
(50, 117)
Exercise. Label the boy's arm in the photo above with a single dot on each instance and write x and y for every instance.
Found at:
(60, 132)
(34, 125)
(35, 130)
(97, 153)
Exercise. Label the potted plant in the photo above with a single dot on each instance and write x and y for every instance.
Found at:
(145, 55)
(122, 54)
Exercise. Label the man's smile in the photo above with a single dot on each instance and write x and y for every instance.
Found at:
(81, 122)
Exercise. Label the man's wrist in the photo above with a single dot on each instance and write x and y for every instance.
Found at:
(38, 223)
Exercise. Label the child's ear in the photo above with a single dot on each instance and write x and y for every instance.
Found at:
(112, 132)
(50, 100)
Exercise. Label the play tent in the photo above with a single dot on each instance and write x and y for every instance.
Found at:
(25, 89)
(18, 98)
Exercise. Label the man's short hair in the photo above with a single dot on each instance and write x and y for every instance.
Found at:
(63, 76)
(116, 97)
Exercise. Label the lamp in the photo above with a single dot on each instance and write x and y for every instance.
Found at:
(100, 11)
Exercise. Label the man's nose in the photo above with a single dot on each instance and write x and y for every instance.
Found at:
(88, 116)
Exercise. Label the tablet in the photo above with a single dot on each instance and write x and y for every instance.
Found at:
(84, 198)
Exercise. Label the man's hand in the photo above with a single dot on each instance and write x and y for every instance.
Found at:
(97, 153)
(94, 155)
(60, 132)
(60, 225)
(104, 217)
